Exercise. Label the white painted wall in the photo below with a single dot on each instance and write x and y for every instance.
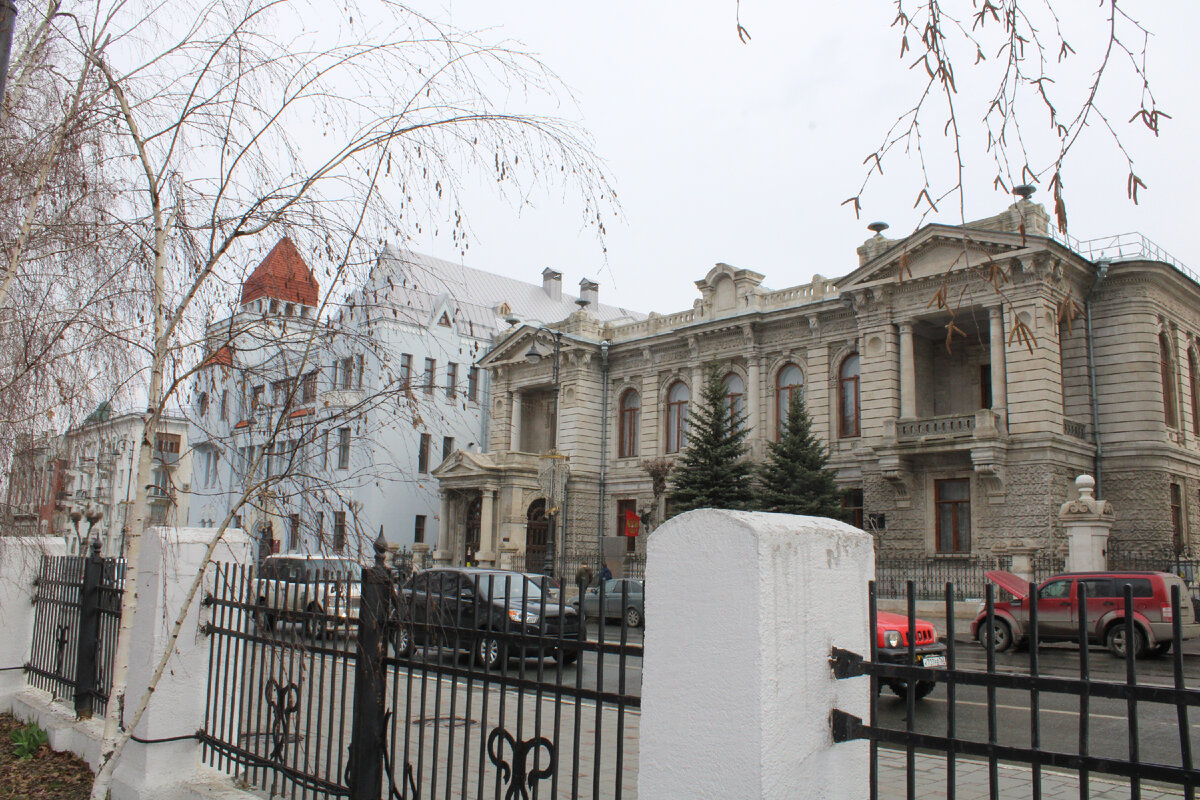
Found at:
(742, 610)
(20, 558)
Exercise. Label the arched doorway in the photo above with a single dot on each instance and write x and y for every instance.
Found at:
(537, 536)
(474, 518)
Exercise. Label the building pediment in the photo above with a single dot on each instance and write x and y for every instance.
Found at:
(464, 464)
(931, 253)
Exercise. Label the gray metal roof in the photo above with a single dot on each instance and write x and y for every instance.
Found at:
(413, 286)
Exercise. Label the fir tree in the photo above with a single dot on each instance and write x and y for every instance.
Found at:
(793, 479)
(712, 471)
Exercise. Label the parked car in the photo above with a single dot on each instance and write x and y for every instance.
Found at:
(468, 608)
(623, 597)
(313, 590)
(892, 648)
(1058, 611)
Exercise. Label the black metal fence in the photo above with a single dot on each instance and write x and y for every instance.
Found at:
(943, 737)
(930, 575)
(1122, 556)
(452, 687)
(77, 613)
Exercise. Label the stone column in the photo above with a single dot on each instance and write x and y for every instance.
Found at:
(514, 442)
(908, 373)
(444, 552)
(487, 534)
(1087, 522)
(754, 397)
(999, 373)
(779, 592)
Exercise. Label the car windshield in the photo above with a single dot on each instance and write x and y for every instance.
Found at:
(335, 568)
(513, 585)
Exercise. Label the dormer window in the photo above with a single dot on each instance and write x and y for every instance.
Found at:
(289, 310)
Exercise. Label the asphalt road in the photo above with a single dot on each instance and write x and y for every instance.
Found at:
(1157, 738)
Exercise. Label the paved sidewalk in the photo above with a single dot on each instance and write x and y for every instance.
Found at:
(971, 781)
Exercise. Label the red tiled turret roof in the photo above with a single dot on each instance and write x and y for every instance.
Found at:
(282, 275)
(223, 357)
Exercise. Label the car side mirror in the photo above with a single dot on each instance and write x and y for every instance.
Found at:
(466, 594)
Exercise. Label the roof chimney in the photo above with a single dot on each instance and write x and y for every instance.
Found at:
(552, 283)
(589, 292)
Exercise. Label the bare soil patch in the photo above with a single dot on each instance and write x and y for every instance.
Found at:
(46, 775)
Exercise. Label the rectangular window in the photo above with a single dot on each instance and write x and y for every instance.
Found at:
(359, 368)
(423, 454)
(473, 384)
(628, 523)
(224, 403)
(447, 446)
(339, 531)
(1177, 517)
(308, 387)
(852, 507)
(325, 450)
(280, 391)
(294, 532)
(427, 381)
(255, 398)
(343, 448)
(405, 368)
(451, 379)
(320, 529)
(952, 501)
(346, 369)
(985, 385)
(419, 529)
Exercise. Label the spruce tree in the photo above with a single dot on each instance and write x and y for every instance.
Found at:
(712, 471)
(793, 479)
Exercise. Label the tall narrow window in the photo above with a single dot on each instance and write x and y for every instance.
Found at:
(294, 532)
(985, 385)
(308, 387)
(447, 446)
(1168, 380)
(848, 405)
(953, 507)
(325, 450)
(224, 403)
(405, 368)
(734, 400)
(1177, 517)
(419, 529)
(423, 454)
(451, 379)
(360, 367)
(631, 411)
(1194, 370)
(677, 413)
(346, 367)
(852, 506)
(430, 368)
(339, 531)
(343, 448)
(789, 382)
(473, 384)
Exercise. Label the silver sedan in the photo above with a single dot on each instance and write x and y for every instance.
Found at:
(623, 597)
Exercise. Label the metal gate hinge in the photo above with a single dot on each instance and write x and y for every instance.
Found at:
(845, 663)
(844, 727)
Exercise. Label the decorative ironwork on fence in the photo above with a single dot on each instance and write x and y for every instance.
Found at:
(78, 612)
(930, 575)
(1015, 744)
(1122, 556)
(310, 704)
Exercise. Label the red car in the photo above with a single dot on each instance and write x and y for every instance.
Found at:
(1058, 611)
(892, 632)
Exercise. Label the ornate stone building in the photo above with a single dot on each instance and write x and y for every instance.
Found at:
(961, 377)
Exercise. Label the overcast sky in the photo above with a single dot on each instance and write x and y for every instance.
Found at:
(743, 153)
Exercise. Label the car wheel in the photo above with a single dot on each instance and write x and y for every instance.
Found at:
(1002, 636)
(263, 619)
(565, 655)
(314, 626)
(1116, 641)
(489, 651)
(633, 617)
(923, 689)
(404, 642)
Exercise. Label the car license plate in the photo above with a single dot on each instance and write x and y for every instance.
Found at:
(934, 661)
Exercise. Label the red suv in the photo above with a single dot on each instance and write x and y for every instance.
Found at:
(1058, 611)
(892, 632)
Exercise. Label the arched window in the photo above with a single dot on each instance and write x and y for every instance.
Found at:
(631, 412)
(734, 400)
(790, 380)
(1194, 371)
(677, 413)
(1168, 379)
(848, 406)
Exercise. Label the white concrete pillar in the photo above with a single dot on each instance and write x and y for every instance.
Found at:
(169, 560)
(1087, 523)
(443, 552)
(908, 373)
(754, 397)
(514, 442)
(999, 372)
(20, 561)
(743, 609)
(488, 545)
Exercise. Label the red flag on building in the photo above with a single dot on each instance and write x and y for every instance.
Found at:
(632, 522)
